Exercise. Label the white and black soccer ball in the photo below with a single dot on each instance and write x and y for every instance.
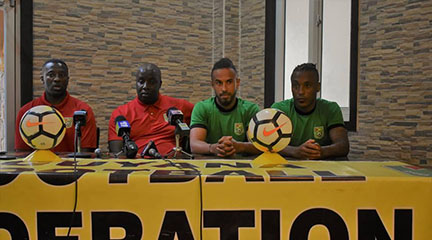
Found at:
(270, 130)
(42, 127)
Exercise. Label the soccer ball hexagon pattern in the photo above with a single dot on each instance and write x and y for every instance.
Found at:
(42, 127)
(270, 130)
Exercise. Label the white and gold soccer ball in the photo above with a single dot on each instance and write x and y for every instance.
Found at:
(270, 130)
(42, 127)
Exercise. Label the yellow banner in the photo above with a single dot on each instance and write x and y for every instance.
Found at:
(215, 199)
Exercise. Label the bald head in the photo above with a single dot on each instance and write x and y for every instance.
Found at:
(148, 83)
(149, 68)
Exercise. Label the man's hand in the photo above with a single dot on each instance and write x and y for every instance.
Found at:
(308, 150)
(225, 147)
(312, 150)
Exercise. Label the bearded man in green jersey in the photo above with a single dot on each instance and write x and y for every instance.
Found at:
(219, 124)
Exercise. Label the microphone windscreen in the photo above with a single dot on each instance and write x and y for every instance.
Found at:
(120, 118)
(155, 153)
(122, 126)
(173, 115)
(80, 117)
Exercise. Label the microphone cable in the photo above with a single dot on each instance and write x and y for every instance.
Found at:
(195, 170)
(76, 180)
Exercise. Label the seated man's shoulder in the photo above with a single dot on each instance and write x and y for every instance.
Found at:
(283, 103)
(182, 104)
(33, 103)
(125, 109)
(79, 104)
(205, 104)
(247, 103)
(323, 103)
(206, 101)
(248, 106)
(29, 105)
(174, 100)
(132, 103)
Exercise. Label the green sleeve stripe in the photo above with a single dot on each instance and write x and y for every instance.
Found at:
(198, 126)
(335, 125)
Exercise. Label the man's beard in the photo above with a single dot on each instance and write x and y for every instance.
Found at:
(228, 101)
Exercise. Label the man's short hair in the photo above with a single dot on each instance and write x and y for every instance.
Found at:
(55, 60)
(305, 67)
(223, 63)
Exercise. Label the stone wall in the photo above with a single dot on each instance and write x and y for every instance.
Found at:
(395, 82)
(252, 50)
(104, 42)
(242, 39)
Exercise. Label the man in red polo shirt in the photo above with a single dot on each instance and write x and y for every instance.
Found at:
(147, 114)
(55, 78)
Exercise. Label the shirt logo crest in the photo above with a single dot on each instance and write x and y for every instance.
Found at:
(238, 128)
(318, 132)
(68, 122)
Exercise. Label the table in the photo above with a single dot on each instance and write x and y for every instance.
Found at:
(215, 199)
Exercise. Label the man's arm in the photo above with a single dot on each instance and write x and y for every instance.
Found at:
(115, 143)
(115, 146)
(339, 146)
(245, 147)
(197, 141)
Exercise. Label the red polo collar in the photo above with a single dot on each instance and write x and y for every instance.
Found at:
(157, 104)
(58, 106)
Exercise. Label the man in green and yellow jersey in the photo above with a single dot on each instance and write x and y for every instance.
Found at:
(318, 126)
(219, 124)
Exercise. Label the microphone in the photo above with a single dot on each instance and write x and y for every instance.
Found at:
(98, 153)
(122, 127)
(79, 120)
(123, 130)
(130, 149)
(175, 117)
(150, 150)
(79, 117)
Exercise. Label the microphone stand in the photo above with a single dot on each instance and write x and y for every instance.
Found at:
(77, 149)
(129, 148)
(123, 150)
(177, 149)
(116, 155)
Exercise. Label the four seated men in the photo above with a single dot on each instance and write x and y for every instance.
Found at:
(218, 124)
